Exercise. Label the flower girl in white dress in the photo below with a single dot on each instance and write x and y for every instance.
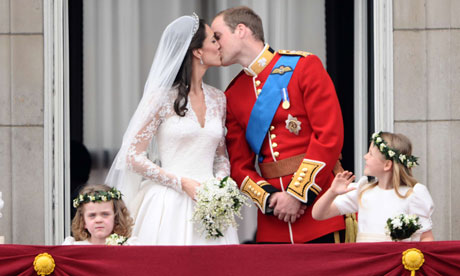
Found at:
(179, 123)
(101, 218)
(394, 192)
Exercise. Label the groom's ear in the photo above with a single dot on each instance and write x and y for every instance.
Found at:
(197, 53)
(241, 30)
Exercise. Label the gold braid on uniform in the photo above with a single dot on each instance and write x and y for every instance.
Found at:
(303, 186)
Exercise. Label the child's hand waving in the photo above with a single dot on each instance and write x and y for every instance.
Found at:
(340, 184)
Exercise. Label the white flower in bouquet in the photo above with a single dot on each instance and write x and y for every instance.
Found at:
(115, 239)
(396, 223)
(217, 204)
(402, 226)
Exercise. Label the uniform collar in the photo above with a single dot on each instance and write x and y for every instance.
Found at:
(260, 62)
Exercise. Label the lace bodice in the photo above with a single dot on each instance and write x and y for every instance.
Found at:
(185, 149)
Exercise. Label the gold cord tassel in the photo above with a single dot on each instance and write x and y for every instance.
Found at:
(351, 228)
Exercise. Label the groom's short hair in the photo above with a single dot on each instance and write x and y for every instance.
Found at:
(243, 15)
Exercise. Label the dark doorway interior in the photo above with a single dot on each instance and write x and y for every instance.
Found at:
(370, 68)
(340, 66)
(80, 159)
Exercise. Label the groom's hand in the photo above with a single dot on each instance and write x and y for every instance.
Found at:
(287, 208)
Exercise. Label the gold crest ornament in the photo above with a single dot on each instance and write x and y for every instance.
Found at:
(412, 260)
(293, 125)
(44, 264)
(281, 70)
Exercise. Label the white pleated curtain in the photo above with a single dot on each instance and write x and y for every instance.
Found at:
(119, 42)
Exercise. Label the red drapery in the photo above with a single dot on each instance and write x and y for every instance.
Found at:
(441, 258)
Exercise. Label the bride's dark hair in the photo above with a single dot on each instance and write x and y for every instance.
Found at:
(184, 75)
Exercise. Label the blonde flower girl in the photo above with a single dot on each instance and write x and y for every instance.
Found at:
(394, 192)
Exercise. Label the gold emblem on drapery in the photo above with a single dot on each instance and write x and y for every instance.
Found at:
(44, 264)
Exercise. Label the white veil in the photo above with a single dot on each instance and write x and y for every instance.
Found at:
(171, 51)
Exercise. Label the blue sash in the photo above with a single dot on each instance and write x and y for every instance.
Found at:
(268, 101)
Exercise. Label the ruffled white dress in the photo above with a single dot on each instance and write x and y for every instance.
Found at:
(377, 205)
(71, 241)
(162, 211)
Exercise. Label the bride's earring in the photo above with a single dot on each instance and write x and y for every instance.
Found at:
(201, 61)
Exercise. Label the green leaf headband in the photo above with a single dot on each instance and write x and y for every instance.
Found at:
(98, 196)
(409, 161)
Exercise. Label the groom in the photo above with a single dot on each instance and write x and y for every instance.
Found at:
(283, 109)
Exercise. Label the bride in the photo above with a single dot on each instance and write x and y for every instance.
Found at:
(175, 139)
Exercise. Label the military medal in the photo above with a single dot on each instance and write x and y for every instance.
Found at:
(293, 125)
(286, 104)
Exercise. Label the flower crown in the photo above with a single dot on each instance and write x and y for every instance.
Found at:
(98, 196)
(409, 161)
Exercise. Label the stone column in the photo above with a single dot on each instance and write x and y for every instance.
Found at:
(21, 120)
(427, 100)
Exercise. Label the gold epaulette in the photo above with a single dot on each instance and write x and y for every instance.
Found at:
(255, 192)
(294, 53)
(303, 181)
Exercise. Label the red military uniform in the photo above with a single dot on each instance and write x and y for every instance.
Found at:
(310, 127)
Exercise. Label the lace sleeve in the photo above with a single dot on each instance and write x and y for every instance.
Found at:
(137, 157)
(221, 163)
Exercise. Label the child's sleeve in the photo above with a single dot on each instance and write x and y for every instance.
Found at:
(69, 241)
(421, 204)
(348, 203)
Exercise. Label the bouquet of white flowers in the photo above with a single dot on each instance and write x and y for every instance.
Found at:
(115, 239)
(402, 226)
(217, 204)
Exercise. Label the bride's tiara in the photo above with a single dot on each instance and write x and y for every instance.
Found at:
(197, 23)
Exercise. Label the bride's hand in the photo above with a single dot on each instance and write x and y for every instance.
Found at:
(189, 186)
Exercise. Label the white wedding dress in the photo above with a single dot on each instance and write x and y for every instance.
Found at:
(161, 210)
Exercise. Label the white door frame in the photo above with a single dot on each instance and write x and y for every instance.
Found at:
(383, 74)
(383, 65)
(56, 102)
(56, 122)
(360, 84)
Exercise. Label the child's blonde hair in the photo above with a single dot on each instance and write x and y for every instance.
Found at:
(401, 175)
(123, 223)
